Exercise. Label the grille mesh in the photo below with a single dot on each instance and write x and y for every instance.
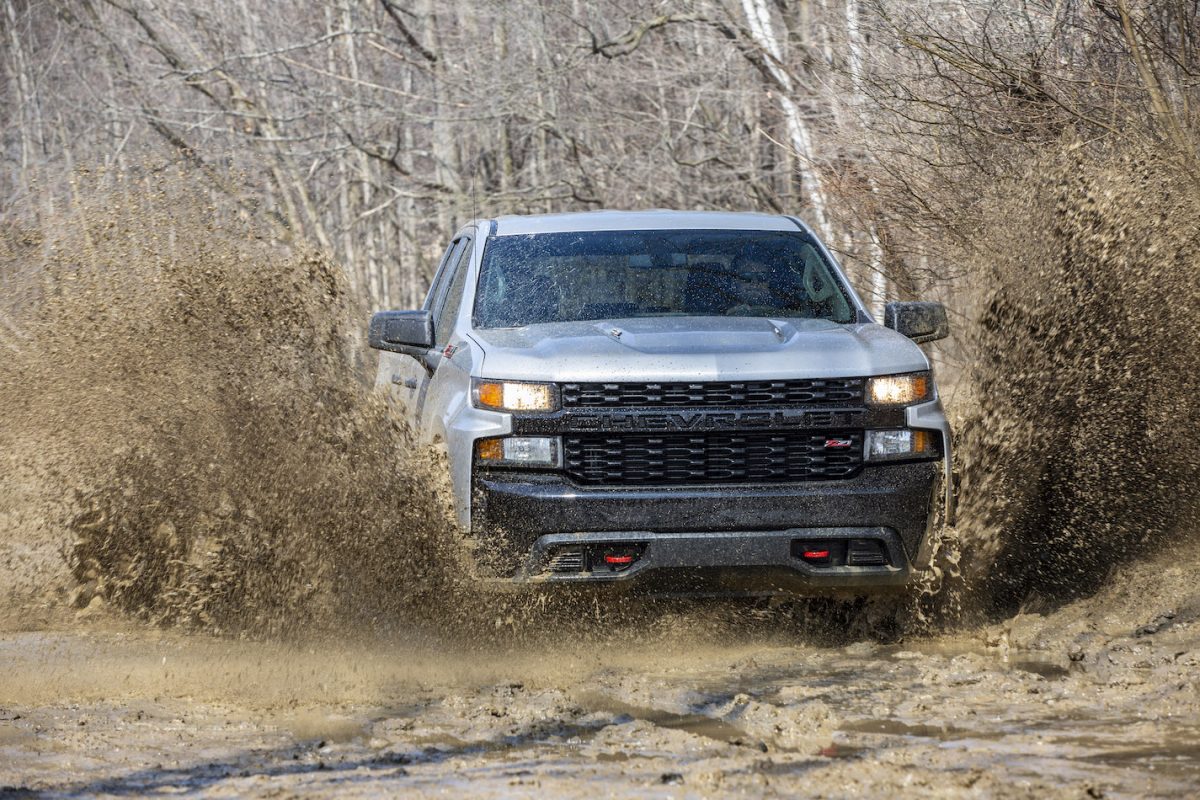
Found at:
(751, 457)
(747, 393)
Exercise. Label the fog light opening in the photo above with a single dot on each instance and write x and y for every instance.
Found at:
(567, 559)
(867, 553)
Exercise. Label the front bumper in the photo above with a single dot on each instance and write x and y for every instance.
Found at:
(733, 534)
(725, 562)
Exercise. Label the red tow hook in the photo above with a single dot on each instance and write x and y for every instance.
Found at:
(618, 560)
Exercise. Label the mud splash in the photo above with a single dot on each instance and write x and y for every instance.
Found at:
(189, 419)
(195, 384)
(1080, 454)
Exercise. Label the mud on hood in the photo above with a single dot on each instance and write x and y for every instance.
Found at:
(695, 348)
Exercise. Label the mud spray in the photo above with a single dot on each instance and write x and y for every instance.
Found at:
(1078, 446)
(185, 396)
(188, 422)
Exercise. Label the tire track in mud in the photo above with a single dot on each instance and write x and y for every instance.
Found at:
(943, 719)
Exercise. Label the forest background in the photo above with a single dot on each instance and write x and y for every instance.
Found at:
(372, 128)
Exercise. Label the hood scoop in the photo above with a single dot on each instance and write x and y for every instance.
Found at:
(690, 349)
(710, 334)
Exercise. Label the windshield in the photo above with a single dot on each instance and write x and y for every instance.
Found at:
(565, 277)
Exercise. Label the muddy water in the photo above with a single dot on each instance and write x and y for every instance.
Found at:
(188, 424)
(134, 712)
(1096, 699)
(189, 444)
(1081, 383)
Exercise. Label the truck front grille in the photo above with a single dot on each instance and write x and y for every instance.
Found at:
(751, 457)
(845, 391)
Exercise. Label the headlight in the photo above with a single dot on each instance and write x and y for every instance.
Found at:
(515, 396)
(900, 444)
(529, 451)
(899, 390)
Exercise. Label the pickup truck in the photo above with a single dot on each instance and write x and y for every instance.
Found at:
(687, 402)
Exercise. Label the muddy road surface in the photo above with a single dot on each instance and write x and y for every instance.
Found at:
(1097, 699)
(226, 570)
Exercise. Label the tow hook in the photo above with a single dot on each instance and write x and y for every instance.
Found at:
(618, 559)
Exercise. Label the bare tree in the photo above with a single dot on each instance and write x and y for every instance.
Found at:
(372, 127)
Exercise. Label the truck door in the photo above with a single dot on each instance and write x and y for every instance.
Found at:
(405, 376)
(445, 308)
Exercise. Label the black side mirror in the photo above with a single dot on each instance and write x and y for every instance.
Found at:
(921, 322)
(408, 332)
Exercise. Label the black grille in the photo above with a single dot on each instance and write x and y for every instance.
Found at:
(753, 457)
(847, 391)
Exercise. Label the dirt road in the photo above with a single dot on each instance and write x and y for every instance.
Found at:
(1098, 699)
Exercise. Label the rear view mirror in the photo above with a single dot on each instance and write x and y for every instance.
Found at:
(921, 322)
(408, 332)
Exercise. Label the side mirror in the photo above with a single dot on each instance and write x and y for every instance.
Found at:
(408, 332)
(921, 322)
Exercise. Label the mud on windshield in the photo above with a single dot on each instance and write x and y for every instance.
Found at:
(577, 276)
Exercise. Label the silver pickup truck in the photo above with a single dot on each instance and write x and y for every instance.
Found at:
(691, 402)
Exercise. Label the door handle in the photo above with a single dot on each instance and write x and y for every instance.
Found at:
(407, 383)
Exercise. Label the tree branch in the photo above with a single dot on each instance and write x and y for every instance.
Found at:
(393, 11)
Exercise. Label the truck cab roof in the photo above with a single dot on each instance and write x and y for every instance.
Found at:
(656, 219)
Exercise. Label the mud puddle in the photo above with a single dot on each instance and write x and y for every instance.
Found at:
(694, 724)
(145, 713)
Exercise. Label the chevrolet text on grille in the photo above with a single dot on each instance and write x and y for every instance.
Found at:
(721, 420)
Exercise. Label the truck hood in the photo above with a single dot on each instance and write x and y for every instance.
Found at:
(694, 349)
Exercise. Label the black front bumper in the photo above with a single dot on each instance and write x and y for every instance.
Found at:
(743, 536)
